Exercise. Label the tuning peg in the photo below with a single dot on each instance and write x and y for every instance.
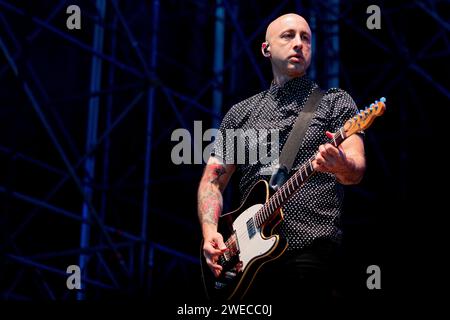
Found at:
(383, 99)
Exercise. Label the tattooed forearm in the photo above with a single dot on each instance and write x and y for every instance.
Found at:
(209, 194)
(209, 205)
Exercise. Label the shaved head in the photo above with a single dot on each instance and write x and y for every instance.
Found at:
(288, 46)
(276, 25)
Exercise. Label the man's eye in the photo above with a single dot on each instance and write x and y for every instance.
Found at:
(287, 35)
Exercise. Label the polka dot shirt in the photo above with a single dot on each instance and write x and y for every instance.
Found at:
(313, 212)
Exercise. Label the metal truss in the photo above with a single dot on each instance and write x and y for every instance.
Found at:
(88, 176)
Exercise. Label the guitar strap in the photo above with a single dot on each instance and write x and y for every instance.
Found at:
(293, 143)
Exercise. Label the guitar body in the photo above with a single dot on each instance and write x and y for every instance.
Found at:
(254, 247)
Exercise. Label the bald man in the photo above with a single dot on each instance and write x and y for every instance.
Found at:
(311, 216)
(288, 46)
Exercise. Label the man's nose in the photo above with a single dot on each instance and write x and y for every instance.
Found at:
(297, 42)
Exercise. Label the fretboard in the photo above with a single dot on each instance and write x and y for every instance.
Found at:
(279, 198)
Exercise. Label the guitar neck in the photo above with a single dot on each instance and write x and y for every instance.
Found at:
(279, 198)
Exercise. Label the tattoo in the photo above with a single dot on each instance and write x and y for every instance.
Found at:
(210, 200)
(219, 170)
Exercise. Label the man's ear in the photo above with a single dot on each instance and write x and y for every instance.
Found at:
(265, 49)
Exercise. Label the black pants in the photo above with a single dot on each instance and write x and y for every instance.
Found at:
(298, 279)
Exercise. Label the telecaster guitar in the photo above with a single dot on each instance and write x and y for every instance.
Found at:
(250, 230)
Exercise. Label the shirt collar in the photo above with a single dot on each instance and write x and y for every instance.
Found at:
(290, 85)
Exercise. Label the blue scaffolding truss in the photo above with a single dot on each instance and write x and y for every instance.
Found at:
(124, 65)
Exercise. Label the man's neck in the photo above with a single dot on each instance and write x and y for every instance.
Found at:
(280, 80)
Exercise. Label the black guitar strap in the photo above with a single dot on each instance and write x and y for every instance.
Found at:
(293, 143)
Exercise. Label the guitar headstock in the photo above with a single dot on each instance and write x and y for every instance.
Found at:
(365, 117)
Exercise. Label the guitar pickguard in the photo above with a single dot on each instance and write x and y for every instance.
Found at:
(251, 244)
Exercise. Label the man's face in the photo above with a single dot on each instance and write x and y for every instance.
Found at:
(289, 40)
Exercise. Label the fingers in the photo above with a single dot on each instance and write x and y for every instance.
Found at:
(214, 266)
(328, 151)
(215, 245)
(327, 158)
(217, 242)
(319, 164)
(212, 260)
(322, 158)
(213, 248)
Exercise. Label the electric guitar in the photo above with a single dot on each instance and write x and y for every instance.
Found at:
(250, 229)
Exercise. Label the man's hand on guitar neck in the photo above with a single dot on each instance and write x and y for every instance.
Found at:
(347, 162)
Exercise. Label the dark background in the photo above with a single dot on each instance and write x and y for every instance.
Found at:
(392, 219)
